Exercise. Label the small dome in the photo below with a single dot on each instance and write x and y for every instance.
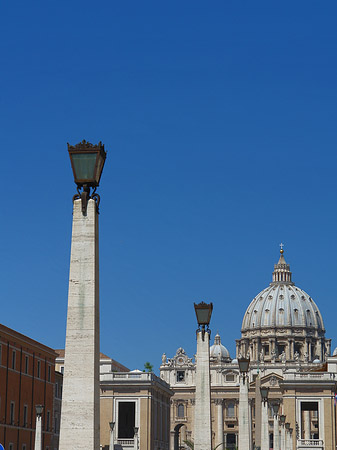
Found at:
(218, 350)
(335, 352)
(316, 361)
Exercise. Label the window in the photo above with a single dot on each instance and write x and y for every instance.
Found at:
(56, 390)
(38, 369)
(25, 415)
(48, 421)
(180, 375)
(56, 430)
(230, 377)
(11, 413)
(26, 364)
(24, 447)
(126, 420)
(11, 446)
(13, 359)
(230, 410)
(180, 410)
(266, 349)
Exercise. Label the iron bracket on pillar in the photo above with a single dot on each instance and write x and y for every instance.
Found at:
(85, 196)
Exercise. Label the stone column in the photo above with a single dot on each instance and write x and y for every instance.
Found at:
(306, 420)
(276, 433)
(219, 438)
(244, 424)
(38, 433)
(111, 445)
(202, 410)
(257, 412)
(283, 437)
(80, 401)
(264, 426)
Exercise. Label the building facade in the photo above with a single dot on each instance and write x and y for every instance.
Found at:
(138, 404)
(283, 335)
(27, 379)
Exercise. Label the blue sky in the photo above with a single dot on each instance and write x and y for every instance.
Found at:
(219, 119)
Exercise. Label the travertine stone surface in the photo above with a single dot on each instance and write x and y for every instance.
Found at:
(202, 414)
(80, 401)
(244, 422)
(38, 434)
(264, 426)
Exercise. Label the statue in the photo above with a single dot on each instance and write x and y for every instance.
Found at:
(273, 356)
(163, 359)
(297, 357)
(283, 357)
(262, 355)
(306, 357)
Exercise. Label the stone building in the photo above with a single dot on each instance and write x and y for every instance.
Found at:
(135, 399)
(27, 379)
(283, 335)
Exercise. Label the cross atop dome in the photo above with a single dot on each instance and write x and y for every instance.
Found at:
(282, 274)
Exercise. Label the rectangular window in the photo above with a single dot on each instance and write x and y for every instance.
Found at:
(126, 419)
(48, 421)
(24, 447)
(38, 369)
(0, 354)
(11, 413)
(49, 373)
(11, 446)
(56, 430)
(25, 415)
(26, 364)
(180, 375)
(56, 390)
(13, 359)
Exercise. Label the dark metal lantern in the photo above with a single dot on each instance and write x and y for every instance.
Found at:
(203, 312)
(39, 410)
(87, 162)
(243, 365)
(264, 392)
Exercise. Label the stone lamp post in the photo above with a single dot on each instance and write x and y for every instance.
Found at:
(245, 441)
(136, 437)
(38, 428)
(264, 419)
(276, 430)
(80, 400)
(202, 411)
(291, 438)
(112, 426)
(287, 439)
(283, 431)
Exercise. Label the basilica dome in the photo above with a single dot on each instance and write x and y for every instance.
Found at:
(282, 304)
(283, 322)
(218, 350)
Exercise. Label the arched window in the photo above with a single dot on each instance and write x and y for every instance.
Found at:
(181, 410)
(230, 377)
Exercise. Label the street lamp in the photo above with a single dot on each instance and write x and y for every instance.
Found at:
(81, 388)
(38, 428)
(87, 161)
(203, 311)
(202, 414)
(135, 435)
(276, 430)
(112, 426)
(283, 432)
(264, 418)
(245, 441)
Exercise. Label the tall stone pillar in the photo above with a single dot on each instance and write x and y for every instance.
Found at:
(38, 433)
(80, 401)
(283, 437)
(257, 412)
(306, 417)
(264, 426)
(276, 437)
(244, 423)
(220, 428)
(202, 409)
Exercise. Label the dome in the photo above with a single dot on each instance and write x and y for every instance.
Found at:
(335, 352)
(282, 304)
(218, 350)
